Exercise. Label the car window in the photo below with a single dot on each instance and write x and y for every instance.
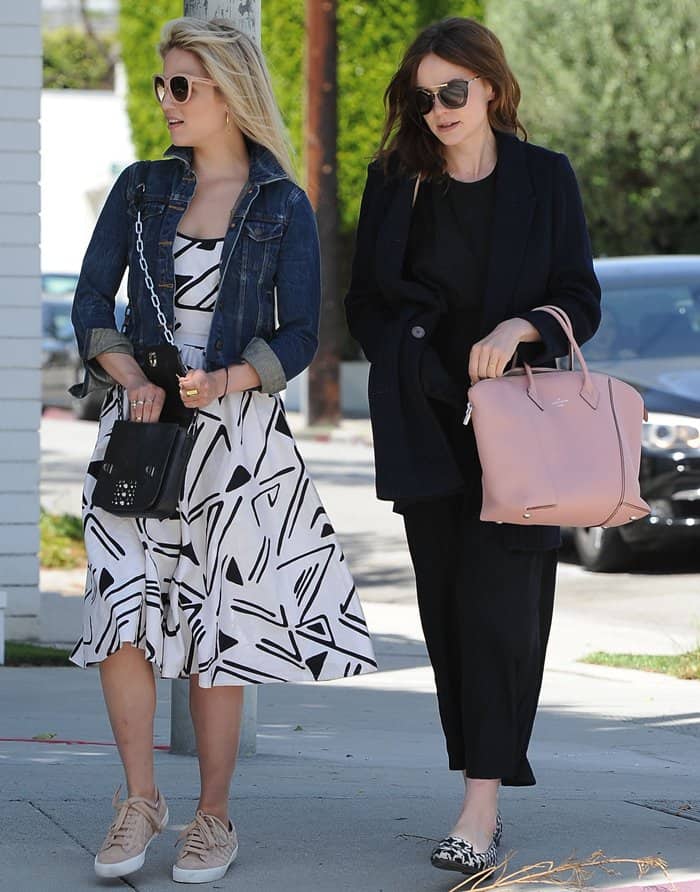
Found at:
(56, 321)
(58, 283)
(640, 321)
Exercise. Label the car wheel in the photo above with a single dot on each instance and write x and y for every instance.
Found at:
(602, 550)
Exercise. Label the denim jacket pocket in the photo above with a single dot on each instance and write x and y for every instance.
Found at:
(262, 230)
(149, 205)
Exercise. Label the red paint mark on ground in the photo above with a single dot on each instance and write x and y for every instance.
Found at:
(69, 742)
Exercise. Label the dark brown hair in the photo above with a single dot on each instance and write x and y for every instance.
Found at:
(463, 42)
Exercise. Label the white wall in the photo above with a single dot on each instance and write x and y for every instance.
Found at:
(20, 345)
(85, 143)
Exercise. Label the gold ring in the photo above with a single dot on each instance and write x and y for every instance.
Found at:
(191, 392)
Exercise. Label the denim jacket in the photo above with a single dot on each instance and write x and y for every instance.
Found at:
(267, 309)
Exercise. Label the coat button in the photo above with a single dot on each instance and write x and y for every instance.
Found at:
(219, 344)
(418, 331)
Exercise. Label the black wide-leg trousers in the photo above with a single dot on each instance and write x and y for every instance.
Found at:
(486, 612)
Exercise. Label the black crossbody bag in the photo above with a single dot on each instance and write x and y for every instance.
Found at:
(144, 463)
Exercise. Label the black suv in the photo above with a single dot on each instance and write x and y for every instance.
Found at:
(650, 337)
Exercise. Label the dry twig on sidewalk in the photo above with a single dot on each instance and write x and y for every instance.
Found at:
(573, 872)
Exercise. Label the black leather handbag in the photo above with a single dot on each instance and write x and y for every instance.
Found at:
(145, 462)
(143, 469)
(162, 364)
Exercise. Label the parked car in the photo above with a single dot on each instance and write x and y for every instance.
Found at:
(650, 337)
(61, 365)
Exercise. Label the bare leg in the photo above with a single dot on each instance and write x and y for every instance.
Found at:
(216, 714)
(129, 690)
(477, 821)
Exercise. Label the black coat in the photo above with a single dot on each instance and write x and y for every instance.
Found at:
(540, 254)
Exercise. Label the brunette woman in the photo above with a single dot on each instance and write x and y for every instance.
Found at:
(465, 228)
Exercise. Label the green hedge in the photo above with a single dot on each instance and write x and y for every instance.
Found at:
(75, 61)
(614, 84)
(139, 34)
(371, 40)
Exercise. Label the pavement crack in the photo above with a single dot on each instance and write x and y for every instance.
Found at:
(675, 812)
(75, 839)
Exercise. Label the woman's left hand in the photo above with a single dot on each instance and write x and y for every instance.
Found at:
(490, 356)
(199, 388)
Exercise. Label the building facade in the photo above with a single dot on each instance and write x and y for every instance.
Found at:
(20, 313)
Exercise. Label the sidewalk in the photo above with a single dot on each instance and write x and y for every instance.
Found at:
(349, 789)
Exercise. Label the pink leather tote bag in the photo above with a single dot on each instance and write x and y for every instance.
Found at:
(558, 446)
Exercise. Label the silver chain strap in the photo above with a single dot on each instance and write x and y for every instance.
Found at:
(149, 282)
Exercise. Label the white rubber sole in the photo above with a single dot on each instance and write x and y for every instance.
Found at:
(129, 865)
(203, 875)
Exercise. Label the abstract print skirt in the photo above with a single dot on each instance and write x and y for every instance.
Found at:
(248, 585)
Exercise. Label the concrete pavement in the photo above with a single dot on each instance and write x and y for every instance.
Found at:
(349, 789)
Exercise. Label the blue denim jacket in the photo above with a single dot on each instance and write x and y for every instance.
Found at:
(269, 295)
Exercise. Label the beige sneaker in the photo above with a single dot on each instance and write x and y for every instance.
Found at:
(136, 823)
(207, 852)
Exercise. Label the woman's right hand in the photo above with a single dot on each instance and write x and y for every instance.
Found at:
(146, 399)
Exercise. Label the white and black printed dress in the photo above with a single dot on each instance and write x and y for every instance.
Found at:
(249, 584)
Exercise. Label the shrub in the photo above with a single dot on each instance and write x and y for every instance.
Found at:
(139, 34)
(613, 83)
(73, 60)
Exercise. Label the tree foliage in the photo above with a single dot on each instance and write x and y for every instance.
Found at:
(614, 84)
(139, 34)
(371, 40)
(75, 60)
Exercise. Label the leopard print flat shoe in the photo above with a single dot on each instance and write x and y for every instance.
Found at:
(455, 853)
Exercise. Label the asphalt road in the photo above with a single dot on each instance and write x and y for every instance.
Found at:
(656, 608)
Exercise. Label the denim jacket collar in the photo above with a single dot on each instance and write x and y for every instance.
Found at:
(264, 167)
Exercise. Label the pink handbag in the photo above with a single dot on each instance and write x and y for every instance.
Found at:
(557, 446)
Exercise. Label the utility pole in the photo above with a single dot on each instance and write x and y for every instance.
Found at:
(322, 186)
(245, 15)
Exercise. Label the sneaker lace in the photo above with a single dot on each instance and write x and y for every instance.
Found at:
(126, 823)
(201, 835)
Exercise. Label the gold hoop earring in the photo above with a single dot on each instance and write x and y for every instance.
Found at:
(227, 120)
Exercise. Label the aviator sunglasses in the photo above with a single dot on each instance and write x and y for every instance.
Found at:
(180, 86)
(453, 94)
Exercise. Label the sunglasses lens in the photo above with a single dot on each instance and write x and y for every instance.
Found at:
(454, 95)
(159, 87)
(180, 88)
(424, 102)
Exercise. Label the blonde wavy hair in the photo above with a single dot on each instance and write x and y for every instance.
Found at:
(234, 61)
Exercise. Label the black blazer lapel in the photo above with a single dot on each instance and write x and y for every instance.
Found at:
(513, 212)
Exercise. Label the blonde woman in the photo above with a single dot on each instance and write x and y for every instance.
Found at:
(247, 584)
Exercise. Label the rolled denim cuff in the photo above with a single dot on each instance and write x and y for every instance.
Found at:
(260, 355)
(100, 340)
(106, 340)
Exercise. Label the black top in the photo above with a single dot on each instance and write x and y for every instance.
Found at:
(448, 250)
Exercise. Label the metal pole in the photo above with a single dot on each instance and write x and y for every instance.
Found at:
(322, 186)
(246, 15)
